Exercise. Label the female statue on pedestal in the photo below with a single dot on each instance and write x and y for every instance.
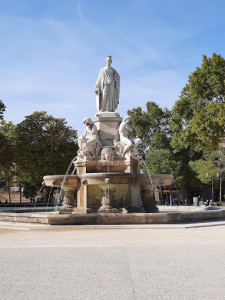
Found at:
(107, 88)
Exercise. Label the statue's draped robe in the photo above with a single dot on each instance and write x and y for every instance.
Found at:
(108, 86)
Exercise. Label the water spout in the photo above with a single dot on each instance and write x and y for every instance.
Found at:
(37, 195)
(150, 177)
(64, 179)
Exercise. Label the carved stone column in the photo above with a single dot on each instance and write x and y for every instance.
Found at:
(82, 197)
(69, 200)
(148, 199)
(107, 199)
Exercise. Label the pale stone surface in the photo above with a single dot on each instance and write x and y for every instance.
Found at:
(108, 192)
(107, 88)
(82, 198)
(131, 188)
(108, 153)
(107, 114)
(123, 166)
(89, 142)
(107, 125)
(69, 199)
(111, 264)
(123, 139)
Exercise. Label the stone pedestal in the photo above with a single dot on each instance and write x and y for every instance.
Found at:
(148, 199)
(136, 204)
(94, 166)
(107, 199)
(82, 199)
(107, 124)
(69, 200)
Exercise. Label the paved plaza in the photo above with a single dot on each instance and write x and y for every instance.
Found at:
(130, 262)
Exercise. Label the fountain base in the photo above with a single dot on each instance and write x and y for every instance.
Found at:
(113, 218)
(108, 192)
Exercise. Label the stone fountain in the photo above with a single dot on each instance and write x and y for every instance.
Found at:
(109, 178)
(109, 188)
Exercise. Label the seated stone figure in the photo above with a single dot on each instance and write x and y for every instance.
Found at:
(89, 142)
(123, 140)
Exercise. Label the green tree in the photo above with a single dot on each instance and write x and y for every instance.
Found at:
(211, 163)
(152, 126)
(160, 161)
(2, 109)
(7, 166)
(198, 117)
(44, 145)
(165, 161)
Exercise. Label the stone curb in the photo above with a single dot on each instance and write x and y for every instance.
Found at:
(114, 219)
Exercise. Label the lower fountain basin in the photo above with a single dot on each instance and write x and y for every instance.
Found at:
(114, 219)
(155, 179)
(109, 178)
(57, 180)
(89, 192)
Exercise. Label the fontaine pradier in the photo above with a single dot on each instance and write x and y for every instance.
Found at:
(108, 166)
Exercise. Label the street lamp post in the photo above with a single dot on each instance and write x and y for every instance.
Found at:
(212, 193)
(20, 186)
(221, 165)
(20, 192)
(207, 176)
(220, 179)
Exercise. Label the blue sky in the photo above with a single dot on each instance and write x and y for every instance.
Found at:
(51, 52)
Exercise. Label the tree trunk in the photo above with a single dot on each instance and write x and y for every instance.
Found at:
(9, 187)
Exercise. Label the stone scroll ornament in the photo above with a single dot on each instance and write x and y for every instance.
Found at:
(89, 143)
(107, 89)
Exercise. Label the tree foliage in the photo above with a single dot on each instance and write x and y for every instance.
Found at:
(152, 126)
(165, 161)
(211, 163)
(160, 161)
(2, 109)
(7, 166)
(198, 119)
(6, 145)
(43, 145)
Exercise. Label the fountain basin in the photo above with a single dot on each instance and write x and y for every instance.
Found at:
(112, 178)
(114, 219)
(157, 179)
(127, 192)
(57, 180)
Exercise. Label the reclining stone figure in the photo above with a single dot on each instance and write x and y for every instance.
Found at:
(123, 140)
(89, 143)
